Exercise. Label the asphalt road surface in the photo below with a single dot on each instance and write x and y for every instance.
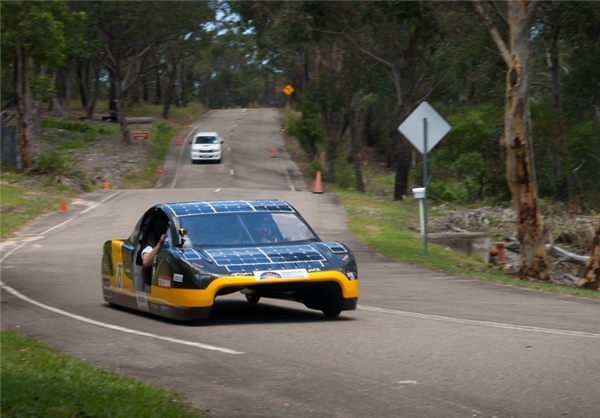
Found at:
(421, 343)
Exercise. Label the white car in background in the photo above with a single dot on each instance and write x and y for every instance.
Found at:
(206, 146)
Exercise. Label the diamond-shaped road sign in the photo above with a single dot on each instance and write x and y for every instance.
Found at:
(288, 89)
(413, 127)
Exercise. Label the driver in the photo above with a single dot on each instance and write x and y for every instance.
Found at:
(263, 230)
(156, 237)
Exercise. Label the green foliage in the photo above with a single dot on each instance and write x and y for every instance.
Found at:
(313, 167)
(344, 172)
(39, 381)
(583, 150)
(55, 163)
(583, 140)
(468, 164)
(309, 131)
(67, 125)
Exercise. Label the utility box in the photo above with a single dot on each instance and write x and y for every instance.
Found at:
(419, 192)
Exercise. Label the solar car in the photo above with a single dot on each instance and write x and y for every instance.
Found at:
(261, 248)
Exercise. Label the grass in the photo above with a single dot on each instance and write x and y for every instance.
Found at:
(39, 381)
(23, 200)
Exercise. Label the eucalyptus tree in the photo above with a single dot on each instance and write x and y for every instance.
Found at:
(308, 59)
(516, 139)
(580, 99)
(563, 38)
(590, 276)
(128, 32)
(386, 35)
(33, 38)
(397, 36)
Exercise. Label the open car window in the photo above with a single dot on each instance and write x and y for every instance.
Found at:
(245, 229)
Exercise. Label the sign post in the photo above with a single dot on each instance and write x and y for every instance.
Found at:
(140, 136)
(424, 128)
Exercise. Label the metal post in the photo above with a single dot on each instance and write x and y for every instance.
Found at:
(425, 185)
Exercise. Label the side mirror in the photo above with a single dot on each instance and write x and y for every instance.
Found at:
(182, 235)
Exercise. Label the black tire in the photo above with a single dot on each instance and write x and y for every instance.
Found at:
(252, 298)
(331, 312)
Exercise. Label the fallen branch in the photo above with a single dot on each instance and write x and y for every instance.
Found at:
(555, 251)
(512, 244)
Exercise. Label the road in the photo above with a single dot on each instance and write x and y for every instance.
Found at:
(421, 343)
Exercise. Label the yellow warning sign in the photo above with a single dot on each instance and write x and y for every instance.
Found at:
(288, 89)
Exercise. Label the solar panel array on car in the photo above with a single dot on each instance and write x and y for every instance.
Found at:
(265, 258)
(228, 206)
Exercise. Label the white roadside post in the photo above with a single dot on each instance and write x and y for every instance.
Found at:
(419, 193)
(424, 128)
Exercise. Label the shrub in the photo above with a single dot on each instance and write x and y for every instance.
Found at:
(55, 163)
(67, 125)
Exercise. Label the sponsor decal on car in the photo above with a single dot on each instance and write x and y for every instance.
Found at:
(164, 281)
(142, 302)
(119, 275)
(178, 278)
(281, 274)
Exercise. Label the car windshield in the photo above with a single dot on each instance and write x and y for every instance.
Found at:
(206, 140)
(245, 229)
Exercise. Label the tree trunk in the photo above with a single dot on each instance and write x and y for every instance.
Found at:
(23, 105)
(354, 120)
(590, 278)
(560, 179)
(121, 115)
(170, 89)
(183, 87)
(530, 227)
(402, 169)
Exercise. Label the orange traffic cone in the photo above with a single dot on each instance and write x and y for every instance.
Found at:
(318, 187)
(63, 207)
(106, 185)
(179, 140)
(273, 152)
(188, 126)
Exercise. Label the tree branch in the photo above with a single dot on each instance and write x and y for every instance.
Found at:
(498, 12)
(493, 30)
(531, 11)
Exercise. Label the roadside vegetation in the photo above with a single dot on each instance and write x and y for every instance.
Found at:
(39, 381)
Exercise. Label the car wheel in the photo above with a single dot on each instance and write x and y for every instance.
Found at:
(252, 298)
(331, 312)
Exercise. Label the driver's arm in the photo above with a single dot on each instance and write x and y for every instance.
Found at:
(148, 257)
